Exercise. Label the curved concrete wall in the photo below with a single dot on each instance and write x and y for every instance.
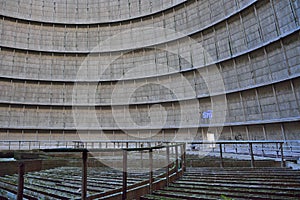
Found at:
(83, 11)
(58, 38)
(275, 102)
(264, 66)
(254, 45)
(84, 38)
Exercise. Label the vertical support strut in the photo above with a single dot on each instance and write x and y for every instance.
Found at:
(183, 161)
(184, 157)
(124, 187)
(21, 172)
(84, 175)
(168, 165)
(150, 171)
(221, 156)
(282, 156)
(252, 155)
(176, 161)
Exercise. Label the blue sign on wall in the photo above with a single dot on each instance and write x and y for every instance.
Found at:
(207, 114)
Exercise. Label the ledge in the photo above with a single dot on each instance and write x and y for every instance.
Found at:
(136, 17)
(161, 75)
(227, 124)
(295, 76)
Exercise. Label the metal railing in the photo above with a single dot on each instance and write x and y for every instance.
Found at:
(268, 148)
(173, 169)
(47, 144)
(265, 149)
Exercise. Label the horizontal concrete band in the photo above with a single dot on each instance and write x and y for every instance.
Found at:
(261, 28)
(85, 12)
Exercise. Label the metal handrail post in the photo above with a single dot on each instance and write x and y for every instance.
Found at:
(84, 175)
(124, 187)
